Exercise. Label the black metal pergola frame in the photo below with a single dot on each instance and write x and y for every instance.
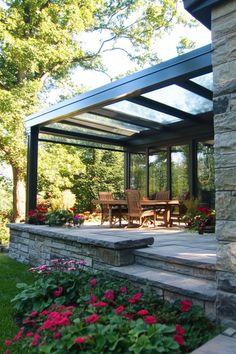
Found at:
(43, 126)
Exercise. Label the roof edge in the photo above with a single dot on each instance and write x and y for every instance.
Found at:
(201, 10)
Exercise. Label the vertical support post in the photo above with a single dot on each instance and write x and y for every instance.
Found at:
(169, 184)
(147, 172)
(126, 170)
(32, 169)
(193, 169)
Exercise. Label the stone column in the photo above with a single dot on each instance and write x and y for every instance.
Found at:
(224, 76)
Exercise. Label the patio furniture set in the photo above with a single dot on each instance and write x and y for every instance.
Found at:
(135, 208)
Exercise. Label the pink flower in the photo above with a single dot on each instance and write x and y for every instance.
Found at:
(7, 342)
(185, 305)
(93, 282)
(123, 289)
(119, 310)
(179, 329)
(179, 339)
(92, 318)
(142, 312)
(35, 341)
(57, 335)
(150, 320)
(80, 340)
(58, 291)
(110, 295)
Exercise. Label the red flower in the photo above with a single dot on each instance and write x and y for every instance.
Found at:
(35, 341)
(93, 298)
(185, 305)
(179, 329)
(30, 334)
(58, 291)
(7, 342)
(129, 316)
(93, 282)
(80, 340)
(57, 335)
(179, 339)
(150, 320)
(142, 312)
(92, 318)
(136, 297)
(100, 304)
(123, 289)
(119, 310)
(110, 295)
(18, 335)
(34, 314)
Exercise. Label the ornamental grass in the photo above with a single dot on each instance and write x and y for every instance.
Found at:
(71, 309)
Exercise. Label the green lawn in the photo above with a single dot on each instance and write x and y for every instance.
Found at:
(11, 273)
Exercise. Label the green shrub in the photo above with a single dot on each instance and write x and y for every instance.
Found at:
(71, 309)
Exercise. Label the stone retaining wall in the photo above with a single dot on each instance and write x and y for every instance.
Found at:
(37, 245)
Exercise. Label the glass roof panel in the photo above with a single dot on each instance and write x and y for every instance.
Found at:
(134, 109)
(106, 124)
(78, 129)
(205, 80)
(180, 98)
(83, 143)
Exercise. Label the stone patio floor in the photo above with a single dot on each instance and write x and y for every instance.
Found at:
(172, 242)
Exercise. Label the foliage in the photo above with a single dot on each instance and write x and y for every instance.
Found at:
(12, 272)
(69, 309)
(198, 217)
(61, 217)
(5, 217)
(38, 215)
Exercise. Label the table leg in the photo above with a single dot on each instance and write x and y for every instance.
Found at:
(110, 215)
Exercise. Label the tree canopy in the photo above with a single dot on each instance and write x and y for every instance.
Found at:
(41, 43)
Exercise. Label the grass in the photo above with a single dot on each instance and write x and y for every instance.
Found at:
(11, 273)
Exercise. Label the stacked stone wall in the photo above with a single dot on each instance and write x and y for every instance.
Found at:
(224, 78)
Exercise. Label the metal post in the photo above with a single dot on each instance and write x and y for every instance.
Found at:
(169, 179)
(126, 170)
(193, 169)
(147, 172)
(32, 169)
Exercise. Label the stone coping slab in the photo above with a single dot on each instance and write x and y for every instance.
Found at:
(116, 242)
(221, 344)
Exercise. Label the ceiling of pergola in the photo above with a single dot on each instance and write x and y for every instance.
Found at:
(165, 104)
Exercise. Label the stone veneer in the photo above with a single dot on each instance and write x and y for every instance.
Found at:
(37, 245)
(224, 78)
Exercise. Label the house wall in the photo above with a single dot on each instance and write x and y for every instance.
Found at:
(224, 76)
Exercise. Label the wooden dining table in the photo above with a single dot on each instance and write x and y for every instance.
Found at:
(156, 204)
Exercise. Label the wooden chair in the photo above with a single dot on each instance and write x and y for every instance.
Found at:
(162, 212)
(135, 211)
(179, 211)
(116, 212)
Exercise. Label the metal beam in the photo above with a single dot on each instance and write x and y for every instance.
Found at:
(127, 118)
(161, 107)
(81, 136)
(195, 88)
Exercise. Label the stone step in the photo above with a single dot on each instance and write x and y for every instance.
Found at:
(171, 286)
(193, 263)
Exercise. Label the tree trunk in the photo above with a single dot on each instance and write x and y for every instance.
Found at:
(18, 196)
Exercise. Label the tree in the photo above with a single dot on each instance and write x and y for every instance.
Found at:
(40, 44)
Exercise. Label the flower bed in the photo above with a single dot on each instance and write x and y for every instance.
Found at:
(69, 309)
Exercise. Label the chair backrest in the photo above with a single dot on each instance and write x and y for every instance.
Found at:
(133, 201)
(163, 195)
(103, 196)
